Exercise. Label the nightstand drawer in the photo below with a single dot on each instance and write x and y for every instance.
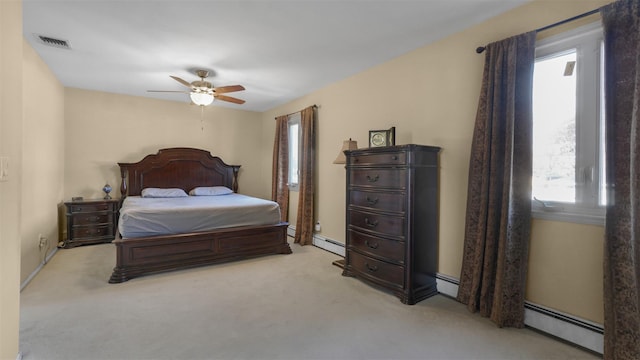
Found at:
(378, 270)
(385, 249)
(78, 232)
(92, 218)
(391, 158)
(382, 224)
(77, 208)
(394, 202)
(386, 178)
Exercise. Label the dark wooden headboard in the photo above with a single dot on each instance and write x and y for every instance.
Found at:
(184, 168)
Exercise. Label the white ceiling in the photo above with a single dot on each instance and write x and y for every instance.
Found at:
(279, 50)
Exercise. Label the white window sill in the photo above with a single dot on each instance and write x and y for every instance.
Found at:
(586, 216)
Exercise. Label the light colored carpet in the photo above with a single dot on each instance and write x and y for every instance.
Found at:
(294, 306)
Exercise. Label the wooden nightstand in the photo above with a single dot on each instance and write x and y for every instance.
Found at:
(91, 221)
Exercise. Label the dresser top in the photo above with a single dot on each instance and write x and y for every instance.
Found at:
(395, 148)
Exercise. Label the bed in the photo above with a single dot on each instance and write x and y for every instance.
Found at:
(141, 253)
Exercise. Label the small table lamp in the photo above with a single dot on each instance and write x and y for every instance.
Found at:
(346, 145)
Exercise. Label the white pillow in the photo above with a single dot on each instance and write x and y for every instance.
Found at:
(163, 193)
(210, 191)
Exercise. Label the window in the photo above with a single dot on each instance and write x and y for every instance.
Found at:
(568, 123)
(294, 151)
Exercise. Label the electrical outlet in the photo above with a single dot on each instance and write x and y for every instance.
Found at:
(42, 241)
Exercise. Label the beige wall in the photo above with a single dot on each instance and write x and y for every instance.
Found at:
(430, 95)
(43, 160)
(102, 129)
(565, 268)
(11, 147)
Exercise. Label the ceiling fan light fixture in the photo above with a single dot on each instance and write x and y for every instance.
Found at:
(201, 98)
(202, 93)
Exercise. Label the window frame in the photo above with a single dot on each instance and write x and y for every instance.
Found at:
(589, 158)
(294, 119)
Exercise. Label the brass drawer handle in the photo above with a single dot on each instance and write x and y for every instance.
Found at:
(373, 179)
(94, 218)
(372, 201)
(371, 268)
(394, 157)
(372, 246)
(370, 223)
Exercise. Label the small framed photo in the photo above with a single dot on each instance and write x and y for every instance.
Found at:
(378, 138)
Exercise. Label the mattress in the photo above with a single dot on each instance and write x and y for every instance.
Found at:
(142, 217)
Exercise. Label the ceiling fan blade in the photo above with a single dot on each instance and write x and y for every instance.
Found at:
(168, 91)
(183, 82)
(228, 89)
(229, 99)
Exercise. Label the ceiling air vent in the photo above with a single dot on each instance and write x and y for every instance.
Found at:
(49, 41)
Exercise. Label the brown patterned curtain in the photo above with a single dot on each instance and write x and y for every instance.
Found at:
(280, 167)
(621, 21)
(498, 220)
(304, 224)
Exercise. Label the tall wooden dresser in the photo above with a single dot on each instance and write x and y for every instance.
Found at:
(392, 219)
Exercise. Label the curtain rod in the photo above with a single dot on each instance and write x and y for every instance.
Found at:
(481, 49)
(314, 106)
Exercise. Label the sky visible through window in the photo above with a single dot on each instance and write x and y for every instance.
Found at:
(554, 129)
(293, 151)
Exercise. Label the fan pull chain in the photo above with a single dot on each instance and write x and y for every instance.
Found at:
(201, 118)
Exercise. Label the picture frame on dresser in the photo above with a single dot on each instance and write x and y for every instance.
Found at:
(380, 138)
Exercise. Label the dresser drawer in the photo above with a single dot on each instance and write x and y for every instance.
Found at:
(387, 178)
(382, 224)
(378, 270)
(394, 202)
(92, 218)
(391, 158)
(78, 232)
(77, 208)
(391, 250)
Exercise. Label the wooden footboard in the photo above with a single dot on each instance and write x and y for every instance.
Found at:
(142, 256)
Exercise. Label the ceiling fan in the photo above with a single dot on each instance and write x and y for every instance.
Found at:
(203, 93)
